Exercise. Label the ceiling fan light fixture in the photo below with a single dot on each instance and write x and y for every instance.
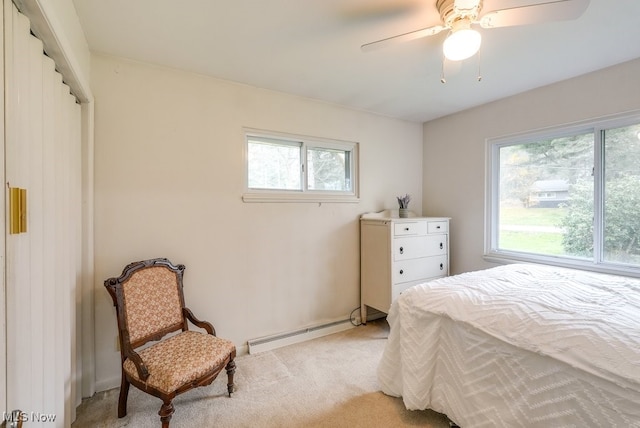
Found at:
(463, 42)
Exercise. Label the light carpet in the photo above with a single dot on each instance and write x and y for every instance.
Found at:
(325, 382)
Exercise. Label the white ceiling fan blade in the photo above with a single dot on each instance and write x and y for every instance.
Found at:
(412, 35)
(533, 13)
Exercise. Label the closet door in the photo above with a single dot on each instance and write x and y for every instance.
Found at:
(3, 304)
(20, 374)
(42, 156)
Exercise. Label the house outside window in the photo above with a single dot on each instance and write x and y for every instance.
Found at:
(567, 196)
(289, 168)
(548, 193)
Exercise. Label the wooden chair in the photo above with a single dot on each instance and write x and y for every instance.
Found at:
(149, 303)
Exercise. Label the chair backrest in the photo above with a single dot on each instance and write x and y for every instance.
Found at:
(149, 299)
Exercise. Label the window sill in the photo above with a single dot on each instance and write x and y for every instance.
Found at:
(298, 197)
(608, 268)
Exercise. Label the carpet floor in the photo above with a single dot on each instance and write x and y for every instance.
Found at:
(326, 382)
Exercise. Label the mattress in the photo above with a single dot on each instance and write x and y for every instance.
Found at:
(518, 345)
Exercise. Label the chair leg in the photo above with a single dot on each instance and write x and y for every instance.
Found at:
(166, 411)
(122, 400)
(231, 369)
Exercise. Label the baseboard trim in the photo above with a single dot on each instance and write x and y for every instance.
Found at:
(374, 314)
(268, 343)
(107, 384)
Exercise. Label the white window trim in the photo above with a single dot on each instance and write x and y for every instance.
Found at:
(492, 191)
(304, 195)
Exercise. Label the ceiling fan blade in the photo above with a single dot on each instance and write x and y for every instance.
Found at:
(533, 13)
(412, 35)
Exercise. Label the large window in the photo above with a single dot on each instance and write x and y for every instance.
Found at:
(567, 196)
(292, 168)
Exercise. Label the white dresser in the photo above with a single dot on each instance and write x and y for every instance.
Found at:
(397, 253)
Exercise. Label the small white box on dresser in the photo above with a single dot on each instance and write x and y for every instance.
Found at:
(398, 253)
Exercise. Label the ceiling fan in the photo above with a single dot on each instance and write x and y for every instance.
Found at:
(459, 16)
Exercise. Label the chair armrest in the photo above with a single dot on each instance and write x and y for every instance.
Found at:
(202, 324)
(143, 373)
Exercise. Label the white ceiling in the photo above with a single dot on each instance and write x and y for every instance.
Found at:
(312, 48)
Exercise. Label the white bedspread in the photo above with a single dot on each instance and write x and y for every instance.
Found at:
(518, 345)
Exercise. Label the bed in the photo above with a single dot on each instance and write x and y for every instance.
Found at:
(518, 345)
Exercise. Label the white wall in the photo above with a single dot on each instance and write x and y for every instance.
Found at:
(168, 183)
(454, 146)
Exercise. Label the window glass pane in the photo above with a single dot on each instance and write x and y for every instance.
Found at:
(287, 168)
(274, 165)
(328, 169)
(622, 195)
(546, 197)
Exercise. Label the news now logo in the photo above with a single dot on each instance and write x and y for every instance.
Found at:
(19, 416)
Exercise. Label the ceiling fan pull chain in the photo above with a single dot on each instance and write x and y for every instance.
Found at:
(479, 74)
(442, 79)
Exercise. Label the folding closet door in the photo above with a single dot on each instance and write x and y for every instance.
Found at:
(20, 374)
(42, 256)
(3, 304)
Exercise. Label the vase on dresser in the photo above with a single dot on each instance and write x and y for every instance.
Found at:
(403, 212)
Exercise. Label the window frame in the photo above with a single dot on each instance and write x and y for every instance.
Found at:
(304, 194)
(492, 195)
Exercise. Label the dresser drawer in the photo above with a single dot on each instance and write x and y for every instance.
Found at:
(407, 228)
(416, 269)
(397, 289)
(411, 247)
(438, 226)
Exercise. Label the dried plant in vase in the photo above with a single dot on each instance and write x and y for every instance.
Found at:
(403, 203)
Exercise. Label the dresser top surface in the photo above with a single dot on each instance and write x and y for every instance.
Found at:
(393, 215)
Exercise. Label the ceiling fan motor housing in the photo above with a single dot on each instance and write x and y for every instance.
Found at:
(450, 12)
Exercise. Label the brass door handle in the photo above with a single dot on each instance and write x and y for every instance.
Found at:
(17, 210)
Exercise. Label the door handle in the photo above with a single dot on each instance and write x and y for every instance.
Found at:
(17, 210)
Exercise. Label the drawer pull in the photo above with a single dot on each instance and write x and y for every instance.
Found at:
(402, 250)
(441, 266)
(437, 227)
(406, 229)
(441, 246)
(402, 271)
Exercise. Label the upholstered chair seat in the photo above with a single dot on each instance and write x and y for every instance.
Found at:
(180, 360)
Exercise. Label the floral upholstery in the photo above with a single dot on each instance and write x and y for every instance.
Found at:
(181, 359)
(152, 301)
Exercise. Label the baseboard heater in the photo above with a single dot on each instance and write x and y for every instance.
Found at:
(268, 343)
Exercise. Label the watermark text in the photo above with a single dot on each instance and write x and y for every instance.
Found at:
(19, 416)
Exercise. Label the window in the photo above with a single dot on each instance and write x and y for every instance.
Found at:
(567, 196)
(282, 168)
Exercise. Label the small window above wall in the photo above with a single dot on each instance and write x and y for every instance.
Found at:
(291, 168)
